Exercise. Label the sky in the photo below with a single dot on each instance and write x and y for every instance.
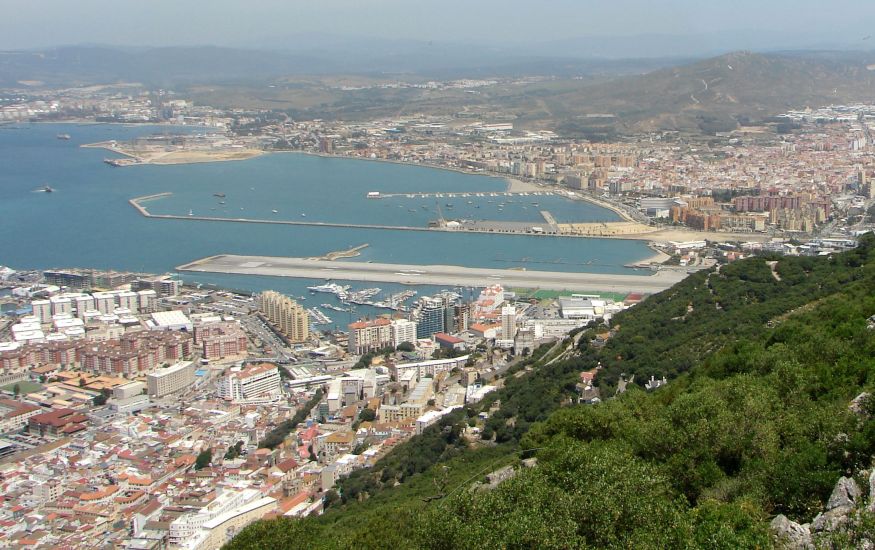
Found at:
(27, 24)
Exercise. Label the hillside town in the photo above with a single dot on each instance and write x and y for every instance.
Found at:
(144, 413)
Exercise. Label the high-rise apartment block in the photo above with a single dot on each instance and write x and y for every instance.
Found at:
(508, 322)
(286, 314)
(403, 331)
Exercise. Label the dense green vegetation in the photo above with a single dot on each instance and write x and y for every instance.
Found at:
(203, 459)
(763, 360)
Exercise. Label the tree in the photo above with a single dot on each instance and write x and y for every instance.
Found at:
(331, 497)
(100, 400)
(234, 451)
(203, 459)
(367, 415)
(82, 382)
(16, 389)
(406, 346)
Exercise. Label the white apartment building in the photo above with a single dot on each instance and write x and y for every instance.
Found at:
(508, 322)
(403, 331)
(170, 380)
(187, 526)
(252, 382)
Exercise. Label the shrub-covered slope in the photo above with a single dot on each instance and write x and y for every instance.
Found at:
(763, 359)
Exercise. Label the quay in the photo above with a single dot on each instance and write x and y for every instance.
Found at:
(458, 194)
(437, 275)
(603, 229)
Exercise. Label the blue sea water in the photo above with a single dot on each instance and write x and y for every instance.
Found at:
(87, 221)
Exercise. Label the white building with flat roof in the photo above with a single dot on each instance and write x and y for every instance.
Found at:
(171, 379)
(255, 382)
(508, 322)
(403, 331)
(169, 320)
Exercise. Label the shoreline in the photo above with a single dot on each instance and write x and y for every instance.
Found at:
(170, 158)
(513, 185)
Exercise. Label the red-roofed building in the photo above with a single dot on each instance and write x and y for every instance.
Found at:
(365, 336)
(485, 331)
(447, 341)
(56, 423)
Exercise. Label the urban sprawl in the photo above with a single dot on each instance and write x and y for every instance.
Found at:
(144, 413)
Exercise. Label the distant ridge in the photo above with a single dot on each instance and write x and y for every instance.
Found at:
(718, 93)
(94, 64)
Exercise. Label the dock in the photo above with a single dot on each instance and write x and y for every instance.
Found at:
(458, 194)
(601, 229)
(448, 275)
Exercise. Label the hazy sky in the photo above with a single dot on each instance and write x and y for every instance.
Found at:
(41, 23)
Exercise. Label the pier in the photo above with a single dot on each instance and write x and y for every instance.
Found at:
(605, 229)
(438, 275)
(458, 194)
(548, 217)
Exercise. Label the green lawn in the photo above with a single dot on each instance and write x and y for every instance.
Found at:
(528, 294)
(25, 386)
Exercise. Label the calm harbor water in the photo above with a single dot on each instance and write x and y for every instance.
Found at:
(87, 221)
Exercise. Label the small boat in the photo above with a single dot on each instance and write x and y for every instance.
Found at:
(274, 211)
(303, 215)
(64, 137)
(221, 202)
(190, 212)
(220, 195)
(47, 189)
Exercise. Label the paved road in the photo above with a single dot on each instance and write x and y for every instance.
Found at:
(433, 274)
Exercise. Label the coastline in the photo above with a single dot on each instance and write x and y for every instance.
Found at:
(166, 158)
(513, 185)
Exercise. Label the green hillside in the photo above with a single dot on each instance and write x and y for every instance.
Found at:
(763, 360)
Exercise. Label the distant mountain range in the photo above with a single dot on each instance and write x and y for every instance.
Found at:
(638, 94)
(720, 92)
(208, 64)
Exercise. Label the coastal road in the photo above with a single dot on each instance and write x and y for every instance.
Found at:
(449, 275)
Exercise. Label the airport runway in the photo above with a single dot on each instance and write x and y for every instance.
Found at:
(439, 275)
